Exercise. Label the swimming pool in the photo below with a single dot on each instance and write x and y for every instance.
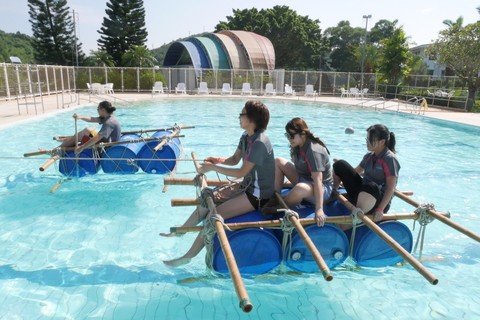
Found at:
(92, 248)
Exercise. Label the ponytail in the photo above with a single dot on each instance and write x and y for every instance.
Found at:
(391, 142)
(314, 139)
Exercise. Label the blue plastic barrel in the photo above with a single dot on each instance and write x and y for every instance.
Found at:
(170, 152)
(369, 250)
(330, 240)
(127, 151)
(256, 250)
(69, 166)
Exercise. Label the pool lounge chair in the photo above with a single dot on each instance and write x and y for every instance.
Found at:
(289, 90)
(246, 89)
(157, 87)
(309, 92)
(226, 89)
(202, 88)
(180, 88)
(269, 91)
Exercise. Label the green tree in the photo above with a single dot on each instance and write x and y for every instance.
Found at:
(383, 29)
(18, 45)
(296, 39)
(138, 56)
(53, 35)
(459, 48)
(344, 41)
(99, 59)
(394, 57)
(123, 28)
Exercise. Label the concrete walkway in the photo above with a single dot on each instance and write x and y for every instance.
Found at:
(11, 112)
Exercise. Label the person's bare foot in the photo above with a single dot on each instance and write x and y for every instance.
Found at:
(177, 262)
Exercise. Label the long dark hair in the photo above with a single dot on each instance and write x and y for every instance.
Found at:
(298, 125)
(381, 132)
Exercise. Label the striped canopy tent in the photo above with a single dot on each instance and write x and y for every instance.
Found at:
(183, 53)
(213, 51)
(252, 47)
(235, 53)
(227, 49)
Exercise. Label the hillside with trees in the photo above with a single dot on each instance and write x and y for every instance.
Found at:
(17, 45)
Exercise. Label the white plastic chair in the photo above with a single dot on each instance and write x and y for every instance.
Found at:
(344, 93)
(226, 89)
(90, 89)
(108, 87)
(246, 89)
(269, 89)
(202, 88)
(157, 87)
(354, 92)
(309, 92)
(364, 92)
(180, 88)
(97, 88)
(289, 90)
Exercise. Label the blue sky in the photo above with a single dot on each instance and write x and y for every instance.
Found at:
(170, 20)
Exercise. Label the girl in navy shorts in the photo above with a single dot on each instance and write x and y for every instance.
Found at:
(374, 191)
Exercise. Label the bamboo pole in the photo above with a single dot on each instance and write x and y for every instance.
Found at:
(49, 162)
(327, 275)
(184, 202)
(390, 241)
(166, 139)
(155, 130)
(242, 294)
(439, 217)
(100, 145)
(189, 181)
(304, 222)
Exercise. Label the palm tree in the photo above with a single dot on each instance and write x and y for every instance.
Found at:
(99, 58)
(138, 56)
(454, 24)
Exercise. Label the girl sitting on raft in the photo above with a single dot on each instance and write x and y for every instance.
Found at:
(257, 171)
(380, 167)
(310, 170)
(109, 132)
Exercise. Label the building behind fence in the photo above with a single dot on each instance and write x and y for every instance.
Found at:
(21, 80)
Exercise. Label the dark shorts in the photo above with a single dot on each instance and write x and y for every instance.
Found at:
(256, 202)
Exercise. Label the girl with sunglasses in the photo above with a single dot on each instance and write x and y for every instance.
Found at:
(257, 171)
(374, 191)
(310, 170)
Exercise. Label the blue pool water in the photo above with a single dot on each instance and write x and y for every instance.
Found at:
(92, 250)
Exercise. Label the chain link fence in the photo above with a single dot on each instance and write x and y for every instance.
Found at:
(20, 80)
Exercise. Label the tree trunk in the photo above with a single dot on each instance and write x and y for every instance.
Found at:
(472, 94)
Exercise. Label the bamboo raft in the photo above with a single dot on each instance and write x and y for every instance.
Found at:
(156, 153)
(309, 247)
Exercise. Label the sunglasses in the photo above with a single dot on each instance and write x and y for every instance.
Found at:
(290, 135)
(241, 114)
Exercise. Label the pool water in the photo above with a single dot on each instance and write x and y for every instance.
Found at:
(92, 250)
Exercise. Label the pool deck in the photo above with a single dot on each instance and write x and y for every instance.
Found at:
(11, 112)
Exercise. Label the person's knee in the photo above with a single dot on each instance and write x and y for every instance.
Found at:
(340, 165)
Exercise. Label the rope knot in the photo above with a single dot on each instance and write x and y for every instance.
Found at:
(204, 194)
(423, 217)
(197, 180)
(355, 219)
